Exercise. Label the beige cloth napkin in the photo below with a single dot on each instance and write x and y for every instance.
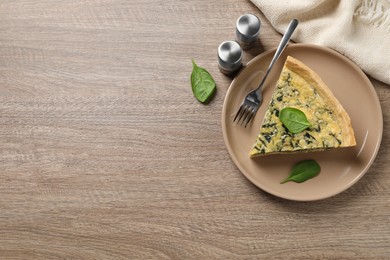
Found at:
(359, 29)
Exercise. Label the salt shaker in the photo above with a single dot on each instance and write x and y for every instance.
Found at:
(229, 57)
(247, 30)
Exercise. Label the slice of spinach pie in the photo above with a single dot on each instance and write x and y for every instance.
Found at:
(300, 89)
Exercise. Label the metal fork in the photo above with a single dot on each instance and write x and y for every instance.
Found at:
(253, 100)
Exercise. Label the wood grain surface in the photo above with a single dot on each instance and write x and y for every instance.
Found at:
(106, 154)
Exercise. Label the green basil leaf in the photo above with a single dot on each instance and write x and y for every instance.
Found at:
(303, 171)
(294, 119)
(203, 84)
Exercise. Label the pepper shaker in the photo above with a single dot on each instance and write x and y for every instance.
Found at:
(247, 30)
(229, 57)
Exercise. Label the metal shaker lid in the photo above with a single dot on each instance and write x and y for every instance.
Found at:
(229, 55)
(247, 27)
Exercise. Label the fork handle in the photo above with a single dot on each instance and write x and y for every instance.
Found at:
(282, 45)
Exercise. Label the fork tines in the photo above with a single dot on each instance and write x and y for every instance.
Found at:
(246, 113)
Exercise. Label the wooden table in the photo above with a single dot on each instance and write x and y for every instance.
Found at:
(106, 154)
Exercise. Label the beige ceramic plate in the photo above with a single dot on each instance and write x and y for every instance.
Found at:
(340, 168)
